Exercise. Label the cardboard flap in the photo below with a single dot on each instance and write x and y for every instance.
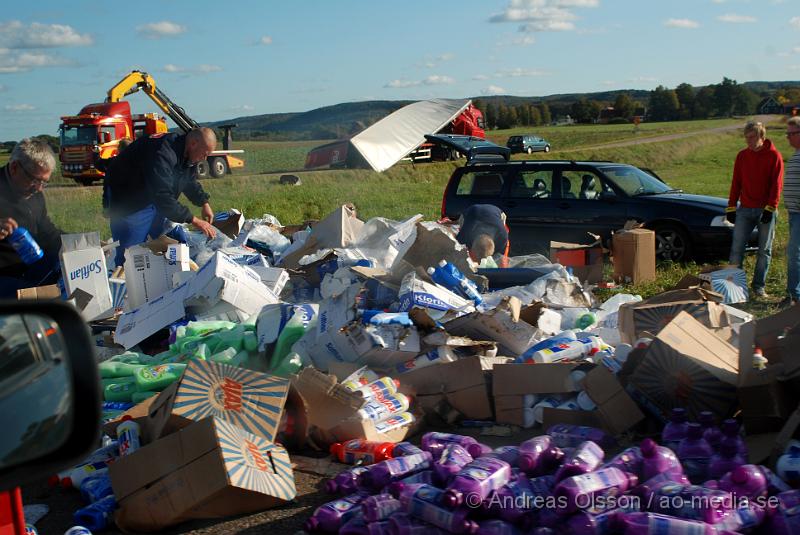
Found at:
(433, 245)
(77, 242)
(159, 245)
(339, 229)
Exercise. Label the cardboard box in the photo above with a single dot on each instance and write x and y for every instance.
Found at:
(513, 327)
(149, 275)
(651, 315)
(586, 260)
(688, 366)
(40, 293)
(220, 281)
(251, 400)
(229, 223)
(383, 347)
(83, 267)
(332, 410)
(210, 469)
(616, 412)
(634, 255)
(339, 229)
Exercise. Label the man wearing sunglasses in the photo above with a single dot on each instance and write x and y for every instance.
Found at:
(22, 204)
(791, 199)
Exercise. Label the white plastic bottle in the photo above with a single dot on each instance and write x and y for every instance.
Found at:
(568, 351)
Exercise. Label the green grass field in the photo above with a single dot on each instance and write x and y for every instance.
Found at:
(698, 164)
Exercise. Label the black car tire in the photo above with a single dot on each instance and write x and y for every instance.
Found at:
(547, 148)
(672, 243)
(529, 150)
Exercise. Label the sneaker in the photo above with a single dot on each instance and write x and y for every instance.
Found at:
(787, 302)
(759, 292)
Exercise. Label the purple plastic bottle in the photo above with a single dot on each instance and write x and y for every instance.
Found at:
(403, 449)
(452, 460)
(667, 478)
(424, 504)
(784, 517)
(434, 439)
(403, 524)
(656, 524)
(691, 502)
(345, 482)
(695, 454)
(629, 460)
(535, 452)
(382, 473)
(585, 458)
(478, 478)
(730, 432)
(570, 436)
(543, 485)
(332, 515)
(380, 507)
(711, 432)
(509, 454)
(513, 500)
(747, 480)
(426, 476)
(497, 527)
(725, 460)
(676, 429)
(657, 460)
(583, 489)
(745, 518)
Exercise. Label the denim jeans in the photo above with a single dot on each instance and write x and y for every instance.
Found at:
(793, 257)
(746, 220)
(134, 229)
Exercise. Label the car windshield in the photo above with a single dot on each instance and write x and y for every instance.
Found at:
(80, 135)
(634, 181)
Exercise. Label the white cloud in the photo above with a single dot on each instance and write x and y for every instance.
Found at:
(26, 61)
(434, 79)
(733, 18)
(447, 56)
(15, 34)
(265, 40)
(681, 23)
(525, 40)
(493, 90)
(19, 107)
(519, 72)
(480, 77)
(795, 21)
(543, 15)
(198, 69)
(242, 107)
(157, 30)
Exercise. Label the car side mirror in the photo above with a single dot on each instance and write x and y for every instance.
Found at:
(49, 391)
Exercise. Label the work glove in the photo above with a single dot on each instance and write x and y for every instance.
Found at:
(730, 215)
(767, 215)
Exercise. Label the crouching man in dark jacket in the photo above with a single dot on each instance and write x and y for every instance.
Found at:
(22, 205)
(144, 181)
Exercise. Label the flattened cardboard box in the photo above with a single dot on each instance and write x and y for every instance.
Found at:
(634, 255)
(332, 409)
(616, 412)
(251, 400)
(653, 314)
(210, 469)
(688, 366)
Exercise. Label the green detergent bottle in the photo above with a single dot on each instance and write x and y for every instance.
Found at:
(250, 341)
(291, 333)
(201, 353)
(120, 391)
(158, 377)
(223, 356)
(240, 359)
(231, 338)
(138, 397)
(290, 365)
(117, 369)
(195, 328)
(129, 357)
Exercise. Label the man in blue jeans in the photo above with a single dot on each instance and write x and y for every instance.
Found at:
(144, 181)
(756, 187)
(791, 199)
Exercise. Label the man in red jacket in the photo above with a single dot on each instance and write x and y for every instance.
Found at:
(757, 183)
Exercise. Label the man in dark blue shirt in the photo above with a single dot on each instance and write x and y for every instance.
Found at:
(481, 225)
(144, 181)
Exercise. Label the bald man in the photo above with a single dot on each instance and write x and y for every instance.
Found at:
(144, 182)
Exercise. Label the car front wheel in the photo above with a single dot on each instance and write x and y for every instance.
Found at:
(529, 150)
(672, 243)
(547, 148)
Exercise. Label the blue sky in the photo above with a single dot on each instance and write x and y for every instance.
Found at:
(243, 57)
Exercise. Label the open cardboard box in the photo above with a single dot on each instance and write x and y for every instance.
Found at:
(210, 469)
(339, 229)
(586, 260)
(688, 366)
(653, 314)
(634, 255)
(332, 410)
(251, 400)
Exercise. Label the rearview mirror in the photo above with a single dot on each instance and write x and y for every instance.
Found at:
(49, 390)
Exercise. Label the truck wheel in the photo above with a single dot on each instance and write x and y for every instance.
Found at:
(219, 167)
(202, 169)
